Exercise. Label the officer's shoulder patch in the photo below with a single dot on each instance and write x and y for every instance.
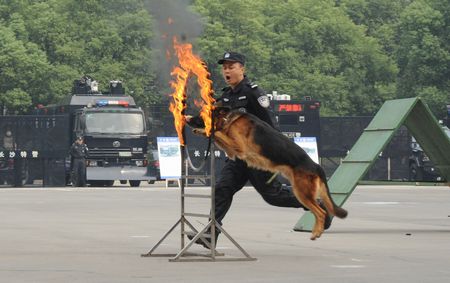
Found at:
(264, 101)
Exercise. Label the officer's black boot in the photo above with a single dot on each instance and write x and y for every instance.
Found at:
(208, 239)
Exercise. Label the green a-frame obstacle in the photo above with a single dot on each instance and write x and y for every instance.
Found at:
(419, 120)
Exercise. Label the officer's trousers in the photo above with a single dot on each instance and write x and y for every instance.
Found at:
(79, 172)
(235, 175)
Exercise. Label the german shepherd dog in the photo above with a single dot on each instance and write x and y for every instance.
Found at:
(244, 136)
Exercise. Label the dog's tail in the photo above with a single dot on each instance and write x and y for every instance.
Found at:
(330, 205)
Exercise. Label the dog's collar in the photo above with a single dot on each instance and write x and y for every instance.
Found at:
(230, 119)
(225, 121)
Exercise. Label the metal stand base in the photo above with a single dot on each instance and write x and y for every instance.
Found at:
(206, 232)
(184, 255)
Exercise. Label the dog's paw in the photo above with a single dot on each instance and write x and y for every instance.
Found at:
(317, 231)
(315, 236)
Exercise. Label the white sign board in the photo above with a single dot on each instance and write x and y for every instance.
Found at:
(169, 157)
(309, 144)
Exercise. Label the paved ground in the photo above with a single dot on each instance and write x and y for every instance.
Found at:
(392, 234)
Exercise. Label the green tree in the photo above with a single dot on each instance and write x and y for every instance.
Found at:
(23, 70)
(423, 55)
(234, 25)
(16, 99)
(106, 39)
(303, 48)
(378, 17)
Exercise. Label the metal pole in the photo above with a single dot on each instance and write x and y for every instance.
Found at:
(213, 200)
(212, 179)
(182, 180)
(182, 196)
(389, 168)
(186, 168)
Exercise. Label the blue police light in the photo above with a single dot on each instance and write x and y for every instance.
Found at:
(105, 102)
(101, 103)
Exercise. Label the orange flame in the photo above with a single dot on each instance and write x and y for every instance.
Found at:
(189, 64)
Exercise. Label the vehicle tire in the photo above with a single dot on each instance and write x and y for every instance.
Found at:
(415, 172)
(109, 183)
(134, 183)
(101, 183)
(151, 182)
(95, 183)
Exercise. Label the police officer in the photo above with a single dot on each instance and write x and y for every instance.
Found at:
(78, 152)
(243, 95)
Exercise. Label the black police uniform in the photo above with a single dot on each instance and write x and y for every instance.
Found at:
(248, 97)
(79, 154)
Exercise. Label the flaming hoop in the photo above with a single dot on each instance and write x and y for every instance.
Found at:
(189, 64)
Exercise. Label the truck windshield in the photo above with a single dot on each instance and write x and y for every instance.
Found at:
(114, 123)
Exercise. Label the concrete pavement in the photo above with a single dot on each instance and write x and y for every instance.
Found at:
(392, 234)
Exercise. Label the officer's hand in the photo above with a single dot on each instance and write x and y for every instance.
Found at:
(188, 118)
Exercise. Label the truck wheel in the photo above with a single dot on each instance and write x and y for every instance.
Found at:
(101, 183)
(109, 183)
(96, 183)
(135, 183)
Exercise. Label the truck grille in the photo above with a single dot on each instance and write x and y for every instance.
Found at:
(109, 152)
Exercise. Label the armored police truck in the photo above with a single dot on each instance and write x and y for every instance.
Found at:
(113, 128)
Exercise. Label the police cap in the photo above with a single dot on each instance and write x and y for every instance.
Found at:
(233, 57)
